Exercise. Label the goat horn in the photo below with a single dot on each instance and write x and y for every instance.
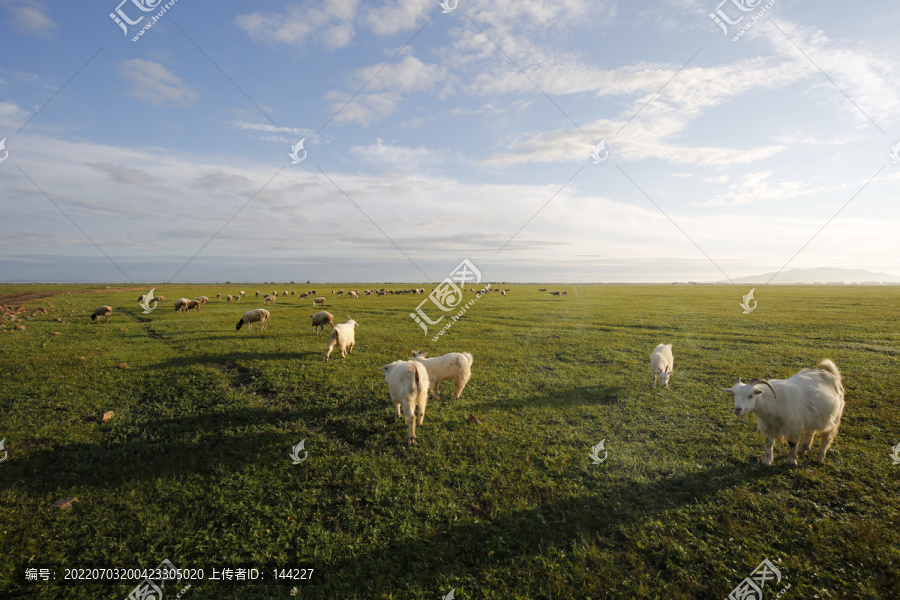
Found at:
(755, 381)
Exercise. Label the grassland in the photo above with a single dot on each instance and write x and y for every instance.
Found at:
(194, 467)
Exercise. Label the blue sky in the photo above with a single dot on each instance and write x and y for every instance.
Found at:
(432, 137)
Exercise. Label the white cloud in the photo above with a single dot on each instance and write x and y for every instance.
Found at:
(399, 158)
(154, 84)
(330, 26)
(31, 16)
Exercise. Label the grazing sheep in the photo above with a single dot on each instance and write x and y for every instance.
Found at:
(303, 295)
(456, 366)
(321, 319)
(237, 297)
(181, 305)
(284, 294)
(259, 315)
(257, 293)
(141, 298)
(218, 297)
(202, 299)
(102, 311)
(565, 293)
(408, 384)
(228, 299)
(542, 289)
(267, 299)
(794, 409)
(193, 305)
(344, 336)
(503, 293)
(353, 294)
(292, 293)
(554, 294)
(319, 301)
(243, 294)
(159, 299)
(661, 364)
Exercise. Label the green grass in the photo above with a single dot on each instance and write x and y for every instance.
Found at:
(195, 465)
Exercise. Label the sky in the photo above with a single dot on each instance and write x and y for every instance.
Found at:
(542, 140)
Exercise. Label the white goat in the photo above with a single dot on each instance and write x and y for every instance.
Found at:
(408, 383)
(259, 315)
(102, 311)
(456, 366)
(794, 409)
(662, 364)
(344, 336)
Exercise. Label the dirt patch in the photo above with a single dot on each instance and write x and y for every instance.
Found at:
(17, 299)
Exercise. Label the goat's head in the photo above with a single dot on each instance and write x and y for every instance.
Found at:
(746, 395)
(663, 376)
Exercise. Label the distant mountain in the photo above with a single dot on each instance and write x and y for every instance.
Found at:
(821, 275)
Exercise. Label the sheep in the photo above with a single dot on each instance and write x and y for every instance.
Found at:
(340, 292)
(794, 409)
(193, 305)
(284, 294)
(565, 293)
(319, 300)
(661, 364)
(267, 299)
(258, 315)
(503, 293)
(218, 297)
(237, 297)
(408, 384)
(202, 299)
(243, 294)
(228, 299)
(554, 294)
(102, 311)
(542, 289)
(159, 299)
(293, 293)
(321, 319)
(257, 293)
(456, 366)
(353, 294)
(141, 298)
(181, 305)
(303, 295)
(344, 336)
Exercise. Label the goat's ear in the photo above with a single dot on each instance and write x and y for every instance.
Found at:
(757, 392)
(385, 368)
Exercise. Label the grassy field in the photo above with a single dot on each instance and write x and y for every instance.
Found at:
(194, 467)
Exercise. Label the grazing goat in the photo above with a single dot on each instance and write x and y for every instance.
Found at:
(181, 305)
(319, 301)
(259, 315)
(456, 366)
(321, 319)
(662, 364)
(408, 384)
(794, 409)
(102, 311)
(344, 336)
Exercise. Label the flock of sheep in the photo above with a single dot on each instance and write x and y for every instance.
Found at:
(793, 410)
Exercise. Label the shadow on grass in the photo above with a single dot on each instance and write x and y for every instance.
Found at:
(225, 359)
